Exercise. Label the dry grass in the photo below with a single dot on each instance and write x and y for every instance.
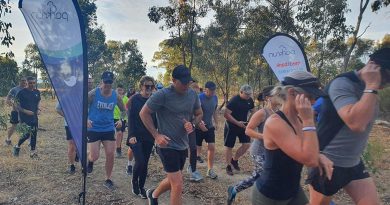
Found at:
(45, 181)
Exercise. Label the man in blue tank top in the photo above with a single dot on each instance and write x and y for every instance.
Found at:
(101, 128)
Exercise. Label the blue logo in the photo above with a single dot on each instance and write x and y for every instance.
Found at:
(282, 52)
(51, 12)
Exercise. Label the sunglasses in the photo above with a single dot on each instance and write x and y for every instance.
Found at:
(149, 86)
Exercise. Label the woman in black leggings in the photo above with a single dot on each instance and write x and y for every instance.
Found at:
(139, 138)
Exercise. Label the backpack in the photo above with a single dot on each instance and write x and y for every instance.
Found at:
(331, 123)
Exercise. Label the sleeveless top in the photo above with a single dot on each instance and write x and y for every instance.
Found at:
(257, 146)
(101, 112)
(280, 179)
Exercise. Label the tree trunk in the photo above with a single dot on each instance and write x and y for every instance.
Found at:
(347, 56)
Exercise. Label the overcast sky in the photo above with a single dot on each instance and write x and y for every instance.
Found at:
(127, 19)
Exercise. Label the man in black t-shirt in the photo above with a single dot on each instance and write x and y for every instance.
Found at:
(236, 115)
(28, 107)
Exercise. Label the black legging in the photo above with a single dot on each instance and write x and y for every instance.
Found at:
(32, 132)
(193, 154)
(141, 152)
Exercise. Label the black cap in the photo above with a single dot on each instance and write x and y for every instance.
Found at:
(108, 77)
(210, 85)
(182, 74)
(382, 57)
(266, 92)
(306, 81)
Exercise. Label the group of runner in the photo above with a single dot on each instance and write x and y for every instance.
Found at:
(284, 133)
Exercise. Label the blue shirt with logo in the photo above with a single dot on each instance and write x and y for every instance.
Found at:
(101, 112)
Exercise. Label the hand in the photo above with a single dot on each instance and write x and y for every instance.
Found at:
(188, 126)
(202, 126)
(133, 140)
(162, 140)
(241, 124)
(118, 124)
(89, 124)
(326, 165)
(303, 106)
(371, 75)
(29, 112)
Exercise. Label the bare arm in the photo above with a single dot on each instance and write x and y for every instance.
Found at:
(230, 118)
(198, 114)
(254, 122)
(121, 107)
(357, 116)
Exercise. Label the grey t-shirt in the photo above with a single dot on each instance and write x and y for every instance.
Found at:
(171, 110)
(12, 94)
(347, 146)
(257, 146)
(209, 105)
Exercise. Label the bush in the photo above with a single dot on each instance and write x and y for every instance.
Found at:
(372, 155)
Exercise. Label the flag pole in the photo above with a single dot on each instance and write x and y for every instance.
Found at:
(85, 104)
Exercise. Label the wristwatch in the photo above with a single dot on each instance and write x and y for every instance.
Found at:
(370, 91)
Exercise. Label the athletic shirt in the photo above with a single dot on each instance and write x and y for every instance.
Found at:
(281, 176)
(101, 112)
(117, 111)
(257, 146)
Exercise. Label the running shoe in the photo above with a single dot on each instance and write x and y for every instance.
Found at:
(129, 170)
(142, 193)
(196, 176)
(72, 169)
(231, 195)
(16, 151)
(211, 173)
(151, 200)
(90, 167)
(229, 170)
(235, 164)
(8, 142)
(109, 184)
(118, 153)
(189, 169)
(200, 160)
(34, 155)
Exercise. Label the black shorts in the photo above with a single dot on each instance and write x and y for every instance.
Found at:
(14, 118)
(124, 125)
(172, 160)
(340, 178)
(68, 134)
(230, 134)
(208, 136)
(100, 136)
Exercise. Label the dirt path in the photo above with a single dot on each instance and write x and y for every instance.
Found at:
(45, 181)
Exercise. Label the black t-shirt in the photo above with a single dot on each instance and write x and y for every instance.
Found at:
(240, 108)
(29, 100)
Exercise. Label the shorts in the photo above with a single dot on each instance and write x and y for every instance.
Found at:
(340, 178)
(124, 125)
(230, 134)
(68, 134)
(14, 118)
(100, 136)
(259, 199)
(208, 136)
(172, 160)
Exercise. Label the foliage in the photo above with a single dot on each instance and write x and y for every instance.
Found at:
(378, 4)
(5, 36)
(33, 62)
(8, 77)
(384, 96)
(372, 155)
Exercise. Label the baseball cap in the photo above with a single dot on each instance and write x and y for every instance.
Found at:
(108, 77)
(182, 73)
(305, 80)
(210, 85)
(382, 57)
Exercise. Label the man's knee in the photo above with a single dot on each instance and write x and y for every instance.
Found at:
(211, 147)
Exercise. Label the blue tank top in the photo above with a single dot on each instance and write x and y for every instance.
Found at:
(101, 112)
(281, 177)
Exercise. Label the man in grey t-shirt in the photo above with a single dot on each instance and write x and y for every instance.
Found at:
(354, 96)
(174, 106)
(10, 100)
